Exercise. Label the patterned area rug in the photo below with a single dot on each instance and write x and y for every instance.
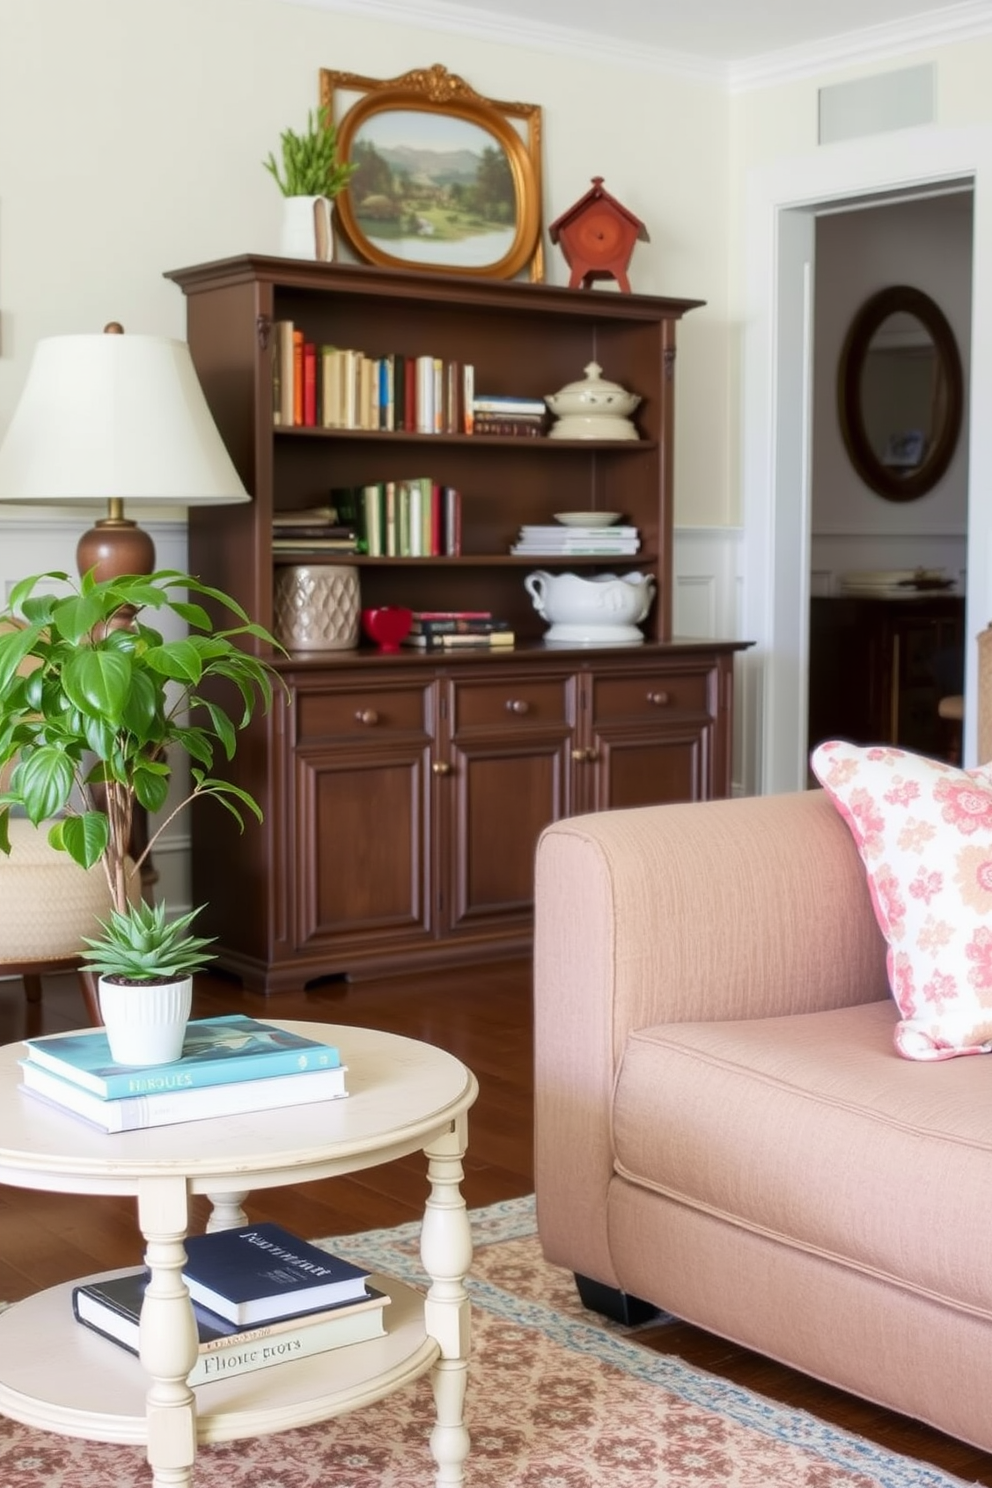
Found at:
(557, 1399)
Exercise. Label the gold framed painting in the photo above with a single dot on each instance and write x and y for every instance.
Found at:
(446, 180)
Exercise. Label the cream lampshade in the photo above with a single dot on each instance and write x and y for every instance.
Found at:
(109, 419)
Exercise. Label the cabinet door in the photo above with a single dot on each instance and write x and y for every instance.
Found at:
(649, 737)
(361, 838)
(504, 776)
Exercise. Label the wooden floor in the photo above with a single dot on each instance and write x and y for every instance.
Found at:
(483, 1015)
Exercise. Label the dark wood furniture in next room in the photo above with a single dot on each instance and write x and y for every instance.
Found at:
(879, 668)
(403, 794)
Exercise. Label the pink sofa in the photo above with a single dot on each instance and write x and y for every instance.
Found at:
(724, 1129)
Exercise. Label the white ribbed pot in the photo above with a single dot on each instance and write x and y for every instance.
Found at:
(307, 228)
(145, 1022)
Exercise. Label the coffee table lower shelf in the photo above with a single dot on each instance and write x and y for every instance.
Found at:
(59, 1376)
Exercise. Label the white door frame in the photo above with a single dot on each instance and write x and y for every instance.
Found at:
(782, 202)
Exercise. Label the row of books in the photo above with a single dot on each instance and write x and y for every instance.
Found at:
(316, 385)
(452, 630)
(230, 1065)
(538, 541)
(260, 1296)
(334, 387)
(413, 518)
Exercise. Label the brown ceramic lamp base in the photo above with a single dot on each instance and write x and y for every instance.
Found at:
(115, 546)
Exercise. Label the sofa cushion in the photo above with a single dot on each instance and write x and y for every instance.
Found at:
(924, 832)
(808, 1129)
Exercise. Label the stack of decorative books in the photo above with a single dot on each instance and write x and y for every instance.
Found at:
(260, 1296)
(498, 413)
(312, 530)
(573, 541)
(230, 1065)
(452, 630)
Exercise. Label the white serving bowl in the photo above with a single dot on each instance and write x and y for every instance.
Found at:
(593, 609)
(588, 519)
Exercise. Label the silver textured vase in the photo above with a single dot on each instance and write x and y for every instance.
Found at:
(317, 608)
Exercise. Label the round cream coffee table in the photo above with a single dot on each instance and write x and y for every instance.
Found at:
(404, 1096)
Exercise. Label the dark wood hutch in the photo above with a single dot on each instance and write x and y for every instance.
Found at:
(403, 794)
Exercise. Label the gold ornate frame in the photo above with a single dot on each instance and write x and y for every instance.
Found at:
(434, 90)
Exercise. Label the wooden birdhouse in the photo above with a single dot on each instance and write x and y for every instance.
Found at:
(597, 237)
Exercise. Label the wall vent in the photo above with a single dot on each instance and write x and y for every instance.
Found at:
(875, 105)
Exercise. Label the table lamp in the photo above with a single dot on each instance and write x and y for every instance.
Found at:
(112, 419)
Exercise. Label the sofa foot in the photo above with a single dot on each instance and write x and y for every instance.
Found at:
(613, 1303)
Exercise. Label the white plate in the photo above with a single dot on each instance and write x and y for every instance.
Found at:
(588, 519)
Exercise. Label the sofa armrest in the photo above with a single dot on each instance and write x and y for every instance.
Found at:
(751, 908)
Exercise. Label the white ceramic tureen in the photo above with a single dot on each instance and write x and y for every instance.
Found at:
(603, 609)
(593, 408)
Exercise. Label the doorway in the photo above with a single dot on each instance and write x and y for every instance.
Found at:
(887, 566)
(784, 201)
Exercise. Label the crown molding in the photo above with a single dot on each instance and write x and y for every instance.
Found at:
(868, 44)
(588, 46)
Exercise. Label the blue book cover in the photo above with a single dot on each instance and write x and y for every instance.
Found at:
(257, 1273)
(216, 1051)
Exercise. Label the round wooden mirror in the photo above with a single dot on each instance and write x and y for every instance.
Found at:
(900, 393)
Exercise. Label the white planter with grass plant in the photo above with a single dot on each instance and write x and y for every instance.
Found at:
(88, 732)
(310, 179)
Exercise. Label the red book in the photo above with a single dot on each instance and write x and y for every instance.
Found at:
(437, 521)
(309, 384)
(410, 395)
(297, 377)
(452, 615)
(452, 522)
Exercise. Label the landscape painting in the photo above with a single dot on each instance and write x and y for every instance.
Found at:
(433, 188)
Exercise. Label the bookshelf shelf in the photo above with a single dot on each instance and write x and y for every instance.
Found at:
(388, 844)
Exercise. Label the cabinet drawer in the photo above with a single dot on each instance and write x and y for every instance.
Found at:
(651, 695)
(365, 711)
(524, 700)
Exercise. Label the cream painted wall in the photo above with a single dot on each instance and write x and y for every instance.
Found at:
(132, 131)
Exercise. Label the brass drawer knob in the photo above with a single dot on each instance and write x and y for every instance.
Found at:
(441, 767)
(658, 699)
(517, 705)
(583, 756)
(368, 716)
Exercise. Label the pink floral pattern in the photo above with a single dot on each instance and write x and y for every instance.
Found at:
(924, 832)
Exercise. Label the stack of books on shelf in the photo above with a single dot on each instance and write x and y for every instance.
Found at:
(310, 530)
(519, 417)
(547, 542)
(315, 385)
(453, 630)
(260, 1296)
(412, 518)
(230, 1065)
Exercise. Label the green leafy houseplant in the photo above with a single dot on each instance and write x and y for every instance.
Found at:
(308, 164)
(92, 700)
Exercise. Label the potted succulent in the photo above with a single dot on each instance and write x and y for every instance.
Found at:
(92, 699)
(310, 179)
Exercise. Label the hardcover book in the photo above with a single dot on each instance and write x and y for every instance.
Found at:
(111, 1306)
(257, 1273)
(168, 1107)
(215, 1051)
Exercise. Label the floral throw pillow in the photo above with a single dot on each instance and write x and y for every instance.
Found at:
(924, 832)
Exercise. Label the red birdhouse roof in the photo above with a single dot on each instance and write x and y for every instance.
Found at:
(597, 193)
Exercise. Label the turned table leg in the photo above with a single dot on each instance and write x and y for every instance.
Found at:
(446, 1251)
(168, 1333)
